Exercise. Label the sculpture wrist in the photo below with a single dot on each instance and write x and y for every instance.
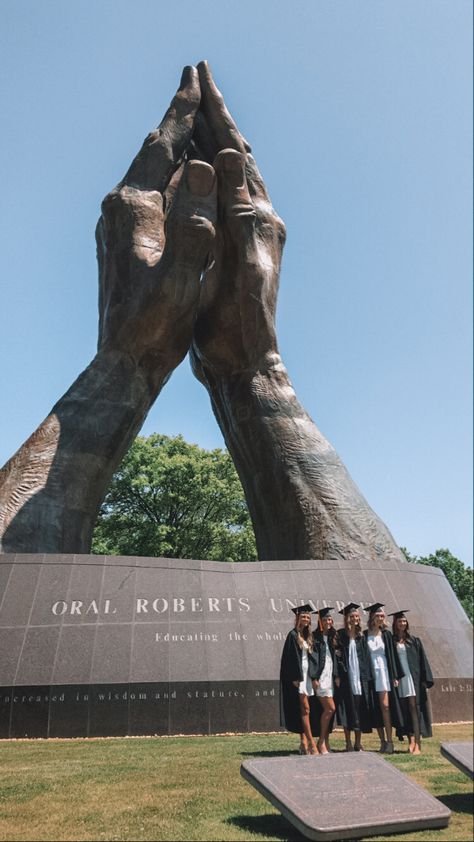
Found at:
(250, 407)
(301, 498)
(52, 488)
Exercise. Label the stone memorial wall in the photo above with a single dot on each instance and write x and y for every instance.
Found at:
(94, 645)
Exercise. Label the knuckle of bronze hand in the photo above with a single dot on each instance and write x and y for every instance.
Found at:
(152, 136)
(109, 202)
(241, 211)
(160, 142)
(122, 204)
(280, 228)
(198, 219)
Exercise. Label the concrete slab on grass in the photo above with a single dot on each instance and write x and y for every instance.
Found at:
(344, 796)
(461, 755)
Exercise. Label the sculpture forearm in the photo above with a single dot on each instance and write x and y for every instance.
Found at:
(150, 264)
(302, 499)
(52, 488)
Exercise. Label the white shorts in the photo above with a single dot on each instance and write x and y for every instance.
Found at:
(324, 692)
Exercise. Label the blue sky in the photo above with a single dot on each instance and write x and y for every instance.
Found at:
(359, 115)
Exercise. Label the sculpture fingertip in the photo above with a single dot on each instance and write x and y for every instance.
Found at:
(204, 71)
(188, 76)
(200, 178)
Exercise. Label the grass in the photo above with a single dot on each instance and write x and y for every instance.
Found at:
(183, 788)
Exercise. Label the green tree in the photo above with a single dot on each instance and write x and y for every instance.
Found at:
(459, 576)
(174, 499)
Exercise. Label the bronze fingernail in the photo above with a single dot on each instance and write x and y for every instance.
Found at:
(200, 178)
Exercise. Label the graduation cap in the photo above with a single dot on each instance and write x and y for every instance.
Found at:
(303, 609)
(351, 606)
(375, 607)
(323, 612)
(397, 614)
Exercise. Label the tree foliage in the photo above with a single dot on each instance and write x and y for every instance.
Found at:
(459, 576)
(174, 499)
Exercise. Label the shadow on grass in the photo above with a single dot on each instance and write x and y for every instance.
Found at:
(458, 802)
(267, 753)
(282, 753)
(270, 825)
(395, 753)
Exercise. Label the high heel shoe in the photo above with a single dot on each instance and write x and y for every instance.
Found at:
(389, 747)
(383, 747)
(303, 749)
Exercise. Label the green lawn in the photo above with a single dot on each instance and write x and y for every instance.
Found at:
(179, 788)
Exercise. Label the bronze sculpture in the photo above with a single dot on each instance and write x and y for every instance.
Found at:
(189, 251)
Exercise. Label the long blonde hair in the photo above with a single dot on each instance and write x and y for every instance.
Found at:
(300, 639)
(358, 627)
(370, 623)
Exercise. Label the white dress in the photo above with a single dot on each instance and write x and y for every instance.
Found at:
(306, 686)
(325, 681)
(406, 686)
(379, 662)
(354, 671)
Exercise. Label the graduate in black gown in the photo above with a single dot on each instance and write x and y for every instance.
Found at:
(412, 688)
(298, 668)
(328, 657)
(354, 696)
(386, 673)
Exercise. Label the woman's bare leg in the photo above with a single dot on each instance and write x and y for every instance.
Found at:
(329, 708)
(387, 720)
(347, 734)
(357, 731)
(357, 740)
(416, 725)
(304, 709)
(303, 744)
(381, 734)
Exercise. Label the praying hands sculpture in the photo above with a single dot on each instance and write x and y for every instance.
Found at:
(189, 252)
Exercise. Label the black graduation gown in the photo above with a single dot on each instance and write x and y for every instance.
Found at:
(348, 715)
(421, 674)
(291, 669)
(395, 672)
(319, 658)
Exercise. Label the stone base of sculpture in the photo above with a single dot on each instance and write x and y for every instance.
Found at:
(110, 646)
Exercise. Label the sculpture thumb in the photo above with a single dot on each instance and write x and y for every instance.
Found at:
(190, 224)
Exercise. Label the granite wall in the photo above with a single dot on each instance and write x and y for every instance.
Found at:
(94, 645)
